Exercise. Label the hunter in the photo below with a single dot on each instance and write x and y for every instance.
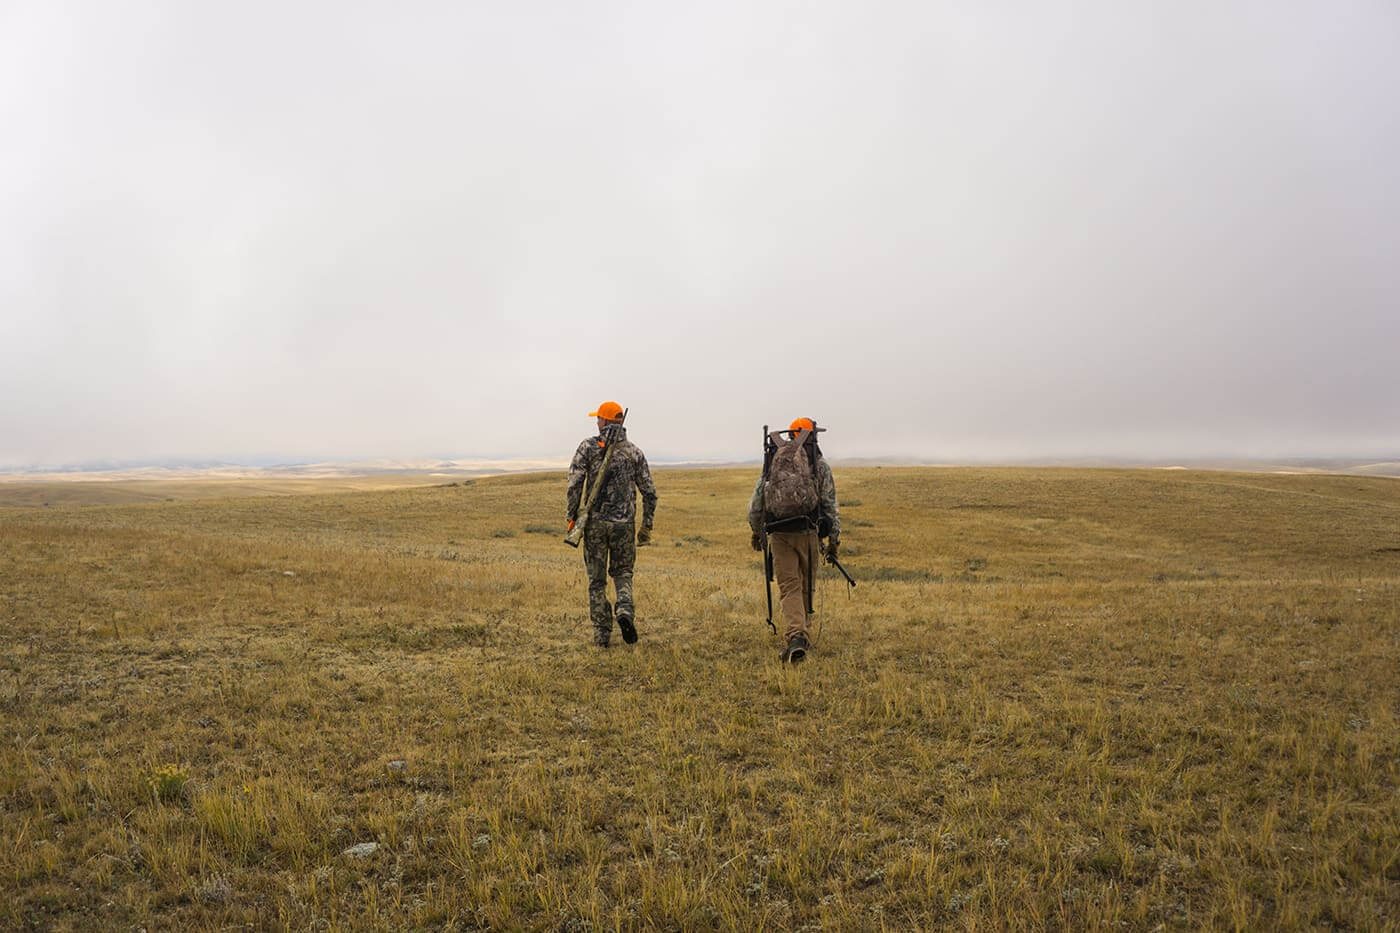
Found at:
(793, 507)
(609, 545)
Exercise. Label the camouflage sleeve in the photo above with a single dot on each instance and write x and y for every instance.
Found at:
(828, 496)
(642, 477)
(756, 508)
(578, 473)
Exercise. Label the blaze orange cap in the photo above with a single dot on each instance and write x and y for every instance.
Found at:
(609, 410)
(802, 424)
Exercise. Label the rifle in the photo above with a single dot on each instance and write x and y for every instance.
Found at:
(576, 535)
(772, 441)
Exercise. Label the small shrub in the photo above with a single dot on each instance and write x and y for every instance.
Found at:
(541, 530)
(503, 533)
(467, 633)
(167, 782)
(1105, 862)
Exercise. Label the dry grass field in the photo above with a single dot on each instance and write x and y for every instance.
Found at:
(1058, 699)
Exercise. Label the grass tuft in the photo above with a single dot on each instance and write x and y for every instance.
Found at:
(167, 782)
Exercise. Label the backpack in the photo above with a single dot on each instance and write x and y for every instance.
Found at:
(790, 486)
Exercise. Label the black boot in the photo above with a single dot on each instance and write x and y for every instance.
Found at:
(796, 650)
(629, 631)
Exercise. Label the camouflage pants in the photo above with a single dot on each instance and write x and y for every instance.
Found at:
(609, 549)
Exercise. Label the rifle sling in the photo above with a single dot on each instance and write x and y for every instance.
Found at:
(592, 498)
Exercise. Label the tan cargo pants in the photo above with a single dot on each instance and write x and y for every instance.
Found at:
(795, 556)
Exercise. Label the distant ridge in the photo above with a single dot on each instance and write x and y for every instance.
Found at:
(321, 470)
(450, 467)
(1349, 466)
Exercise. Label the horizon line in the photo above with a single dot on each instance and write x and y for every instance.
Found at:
(449, 466)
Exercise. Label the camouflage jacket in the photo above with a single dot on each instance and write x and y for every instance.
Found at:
(628, 468)
(826, 492)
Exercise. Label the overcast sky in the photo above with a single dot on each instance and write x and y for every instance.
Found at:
(945, 230)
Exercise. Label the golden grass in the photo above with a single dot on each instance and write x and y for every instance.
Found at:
(83, 489)
(1058, 699)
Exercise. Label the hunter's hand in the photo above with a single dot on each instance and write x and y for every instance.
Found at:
(756, 542)
(643, 536)
(832, 545)
(571, 524)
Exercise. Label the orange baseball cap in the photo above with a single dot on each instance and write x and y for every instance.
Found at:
(609, 410)
(802, 424)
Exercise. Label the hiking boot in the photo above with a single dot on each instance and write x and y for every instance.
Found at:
(629, 631)
(796, 650)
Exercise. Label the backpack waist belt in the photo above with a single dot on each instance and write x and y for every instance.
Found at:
(796, 523)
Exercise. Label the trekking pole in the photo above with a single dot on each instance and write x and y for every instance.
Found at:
(837, 564)
(767, 551)
(768, 582)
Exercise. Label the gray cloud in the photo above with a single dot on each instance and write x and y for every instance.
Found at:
(945, 230)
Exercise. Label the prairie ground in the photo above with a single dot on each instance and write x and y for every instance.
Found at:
(1057, 699)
